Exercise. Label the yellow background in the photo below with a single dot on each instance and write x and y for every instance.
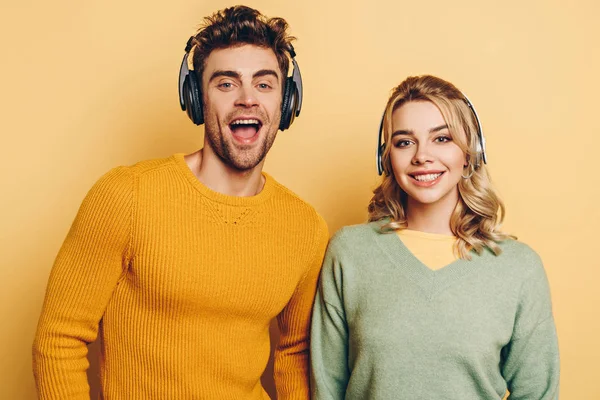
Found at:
(87, 85)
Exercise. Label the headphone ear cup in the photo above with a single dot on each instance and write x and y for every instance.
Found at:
(288, 104)
(380, 146)
(380, 150)
(193, 98)
(478, 158)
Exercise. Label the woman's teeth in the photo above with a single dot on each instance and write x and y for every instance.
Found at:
(427, 177)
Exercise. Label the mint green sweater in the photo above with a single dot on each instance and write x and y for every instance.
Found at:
(387, 327)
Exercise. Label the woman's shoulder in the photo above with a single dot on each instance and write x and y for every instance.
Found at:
(356, 235)
(357, 244)
(513, 248)
(520, 258)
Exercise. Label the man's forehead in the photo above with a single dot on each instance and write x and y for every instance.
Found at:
(244, 59)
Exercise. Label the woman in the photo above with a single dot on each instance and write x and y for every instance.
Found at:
(430, 300)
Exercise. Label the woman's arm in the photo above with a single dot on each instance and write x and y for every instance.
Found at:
(530, 361)
(329, 332)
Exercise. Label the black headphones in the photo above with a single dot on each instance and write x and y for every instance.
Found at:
(479, 157)
(190, 95)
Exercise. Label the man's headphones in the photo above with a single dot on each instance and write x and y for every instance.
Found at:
(480, 147)
(190, 94)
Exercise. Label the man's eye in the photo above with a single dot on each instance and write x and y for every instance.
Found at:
(264, 86)
(226, 85)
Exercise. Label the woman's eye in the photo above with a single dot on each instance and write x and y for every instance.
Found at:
(402, 143)
(443, 139)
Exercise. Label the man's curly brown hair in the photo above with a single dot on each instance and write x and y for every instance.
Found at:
(239, 25)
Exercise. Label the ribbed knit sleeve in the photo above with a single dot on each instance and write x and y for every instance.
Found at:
(531, 361)
(291, 366)
(329, 333)
(87, 269)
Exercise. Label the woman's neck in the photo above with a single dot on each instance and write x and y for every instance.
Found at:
(432, 217)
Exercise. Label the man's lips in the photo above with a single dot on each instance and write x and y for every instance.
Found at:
(245, 121)
(245, 129)
(247, 118)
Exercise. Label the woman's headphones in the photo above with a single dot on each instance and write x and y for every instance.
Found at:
(480, 156)
(190, 94)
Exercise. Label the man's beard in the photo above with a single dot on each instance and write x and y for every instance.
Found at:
(240, 157)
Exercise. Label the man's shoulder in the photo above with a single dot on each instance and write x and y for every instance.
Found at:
(119, 180)
(149, 165)
(293, 201)
(139, 168)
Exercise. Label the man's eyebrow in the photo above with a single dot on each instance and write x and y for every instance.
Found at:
(265, 72)
(228, 73)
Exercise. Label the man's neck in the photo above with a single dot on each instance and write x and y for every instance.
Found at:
(219, 177)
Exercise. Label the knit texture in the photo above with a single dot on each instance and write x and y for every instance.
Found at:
(180, 283)
(387, 327)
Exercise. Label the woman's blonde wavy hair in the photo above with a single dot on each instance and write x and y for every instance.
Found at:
(479, 213)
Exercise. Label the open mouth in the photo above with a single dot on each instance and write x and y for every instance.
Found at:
(426, 178)
(246, 129)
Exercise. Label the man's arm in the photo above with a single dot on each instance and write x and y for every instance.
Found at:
(292, 352)
(87, 269)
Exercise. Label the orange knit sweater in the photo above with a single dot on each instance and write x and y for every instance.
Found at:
(180, 282)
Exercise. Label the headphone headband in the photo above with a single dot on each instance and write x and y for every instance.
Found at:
(481, 141)
(481, 156)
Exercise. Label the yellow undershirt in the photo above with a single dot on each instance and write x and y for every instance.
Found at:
(432, 249)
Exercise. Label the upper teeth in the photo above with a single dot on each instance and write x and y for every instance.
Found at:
(245, 121)
(427, 177)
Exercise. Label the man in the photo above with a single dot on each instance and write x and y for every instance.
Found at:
(180, 264)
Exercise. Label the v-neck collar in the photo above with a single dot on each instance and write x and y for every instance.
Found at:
(431, 281)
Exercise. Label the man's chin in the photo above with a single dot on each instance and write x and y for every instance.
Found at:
(244, 159)
(243, 166)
